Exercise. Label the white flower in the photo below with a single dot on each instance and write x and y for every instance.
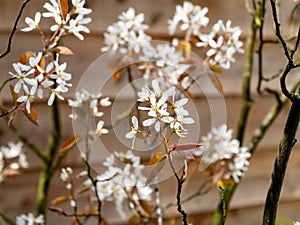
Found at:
(223, 42)
(164, 60)
(22, 73)
(35, 60)
(296, 223)
(75, 27)
(105, 102)
(28, 98)
(53, 11)
(32, 24)
(29, 219)
(60, 75)
(78, 7)
(100, 130)
(134, 130)
(125, 176)
(12, 150)
(56, 93)
(190, 17)
(127, 34)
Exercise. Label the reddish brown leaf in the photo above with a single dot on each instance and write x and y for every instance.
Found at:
(14, 95)
(183, 147)
(216, 82)
(64, 8)
(104, 221)
(59, 200)
(189, 94)
(32, 116)
(63, 50)
(144, 204)
(69, 143)
(24, 58)
(158, 156)
(117, 75)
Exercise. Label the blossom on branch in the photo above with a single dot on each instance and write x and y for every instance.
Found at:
(191, 17)
(32, 24)
(12, 159)
(223, 42)
(127, 34)
(30, 219)
(222, 153)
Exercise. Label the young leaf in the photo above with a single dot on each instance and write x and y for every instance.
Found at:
(59, 200)
(146, 207)
(63, 50)
(24, 58)
(157, 162)
(183, 147)
(216, 82)
(117, 75)
(32, 116)
(64, 8)
(69, 143)
(215, 69)
(157, 157)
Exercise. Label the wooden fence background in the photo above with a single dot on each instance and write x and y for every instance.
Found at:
(18, 195)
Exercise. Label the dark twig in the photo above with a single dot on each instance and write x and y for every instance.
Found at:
(8, 49)
(180, 182)
(261, 16)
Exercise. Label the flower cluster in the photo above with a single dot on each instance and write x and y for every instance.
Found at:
(35, 76)
(219, 151)
(163, 61)
(223, 41)
(83, 100)
(30, 219)
(123, 180)
(72, 22)
(163, 110)
(128, 34)
(191, 17)
(12, 159)
(39, 71)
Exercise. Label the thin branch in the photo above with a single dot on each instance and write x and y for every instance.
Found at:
(286, 145)
(6, 112)
(199, 192)
(278, 32)
(8, 49)
(63, 213)
(51, 152)
(94, 182)
(5, 82)
(296, 44)
(6, 218)
(180, 182)
(27, 142)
